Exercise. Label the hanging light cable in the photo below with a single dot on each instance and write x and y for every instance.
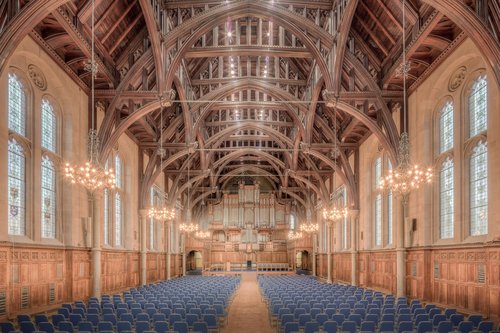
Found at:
(91, 175)
(335, 212)
(405, 177)
(309, 227)
(188, 226)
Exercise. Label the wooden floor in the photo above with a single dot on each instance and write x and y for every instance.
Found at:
(247, 313)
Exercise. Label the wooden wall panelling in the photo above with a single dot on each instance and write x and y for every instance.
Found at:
(342, 267)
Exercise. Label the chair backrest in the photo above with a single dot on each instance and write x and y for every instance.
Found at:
(142, 317)
(330, 326)
(311, 327)
(339, 318)
(456, 318)
(46, 327)
(141, 326)
(27, 327)
(291, 327)
(181, 327)
(321, 318)
(123, 326)
(433, 312)
(465, 326)
(367, 326)
(448, 312)
(424, 327)
(404, 326)
(372, 317)
(437, 319)
(445, 327)
(349, 326)
(386, 326)
(303, 319)
(104, 326)
(405, 317)
(485, 326)
(65, 326)
(355, 318)
(476, 319)
(200, 326)
(161, 326)
(85, 326)
(6, 327)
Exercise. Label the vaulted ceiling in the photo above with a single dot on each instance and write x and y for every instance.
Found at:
(240, 89)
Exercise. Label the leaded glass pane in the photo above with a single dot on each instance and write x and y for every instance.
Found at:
(106, 216)
(446, 200)
(446, 128)
(389, 218)
(118, 219)
(378, 171)
(378, 220)
(17, 106)
(48, 192)
(344, 233)
(478, 107)
(49, 127)
(479, 190)
(118, 171)
(151, 220)
(16, 189)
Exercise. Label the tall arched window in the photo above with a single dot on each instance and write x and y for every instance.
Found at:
(118, 201)
(106, 217)
(446, 200)
(478, 107)
(293, 223)
(377, 209)
(17, 105)
(49, 127)
(479, 190)
(478, 164)
(49, 198)
(446, 131)
(16, 188)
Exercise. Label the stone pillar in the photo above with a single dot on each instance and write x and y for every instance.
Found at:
(183, 247)
(401, 252)
(96, 245)
(314, 235)
(167, 250)
(329, 251)
(143, 219)
(353, 217)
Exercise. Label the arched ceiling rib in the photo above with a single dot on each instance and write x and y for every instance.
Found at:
(249, 87)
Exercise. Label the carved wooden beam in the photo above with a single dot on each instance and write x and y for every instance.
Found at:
(469, 22)
(225, 80)
(125, 33)
(81, 42)
(248, 50)
(118, 21)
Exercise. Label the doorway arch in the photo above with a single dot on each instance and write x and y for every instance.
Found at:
(302, 260)
(194, 261)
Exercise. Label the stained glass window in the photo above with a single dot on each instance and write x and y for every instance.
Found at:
(49, 127)
(478, 107)
(17, 106)
(345, 239)
(389, 218)
(118, 219)
(479, 190)
(106, 216)
(446, 128)
(16, 189)
(446, 200)
(48, 210)
(378, 171)
(378, 220)
(152, 220)
(118, 172)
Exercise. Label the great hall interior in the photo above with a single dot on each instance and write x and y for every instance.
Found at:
(249, 166)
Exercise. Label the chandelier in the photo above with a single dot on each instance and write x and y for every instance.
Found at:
(202, 234)
(335, 213)
(293, 235)
(405, 177)
(188, 227)
(91, 175)
(161, 213)
(309, 227)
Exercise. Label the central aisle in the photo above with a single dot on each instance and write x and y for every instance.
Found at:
(247, 313)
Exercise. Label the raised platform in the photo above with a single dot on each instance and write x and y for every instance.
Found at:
(239, 273)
